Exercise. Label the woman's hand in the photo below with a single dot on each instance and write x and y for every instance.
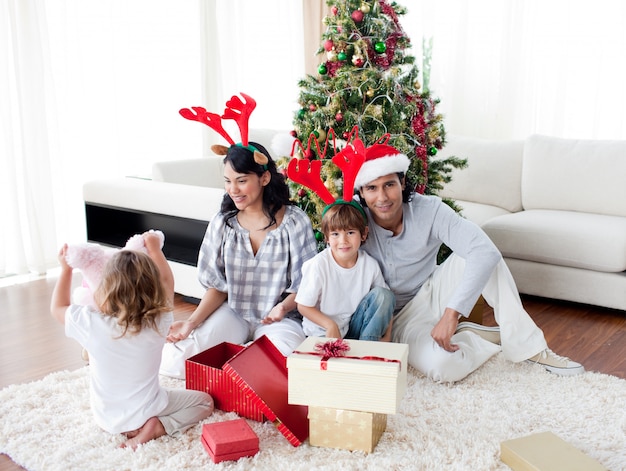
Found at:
(179, 330)
(277, 314)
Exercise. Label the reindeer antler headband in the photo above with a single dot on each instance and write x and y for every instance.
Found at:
(308, 172)
(236, 110)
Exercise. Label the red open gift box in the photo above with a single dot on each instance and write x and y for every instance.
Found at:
(203, 372)
(229, 440)
(261, 372)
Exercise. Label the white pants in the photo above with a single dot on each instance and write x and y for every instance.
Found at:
(225, 325)
(184, 409)
(520, 336)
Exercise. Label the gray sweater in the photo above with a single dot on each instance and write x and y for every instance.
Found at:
(409, 258)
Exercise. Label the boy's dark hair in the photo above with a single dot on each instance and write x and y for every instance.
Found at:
(276, 192)
(343, 217)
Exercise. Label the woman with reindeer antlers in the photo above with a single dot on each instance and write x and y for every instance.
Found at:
(251, 258)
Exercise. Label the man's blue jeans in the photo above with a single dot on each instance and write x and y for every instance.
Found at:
(372, 315)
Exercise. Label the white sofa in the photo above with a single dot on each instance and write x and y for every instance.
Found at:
(556, 209)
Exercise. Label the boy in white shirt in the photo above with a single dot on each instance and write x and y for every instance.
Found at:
(343, 293)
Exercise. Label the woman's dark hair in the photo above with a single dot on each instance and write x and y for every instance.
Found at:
(275, 193)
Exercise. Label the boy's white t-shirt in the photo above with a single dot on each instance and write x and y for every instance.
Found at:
(334, 290)
(124, 390)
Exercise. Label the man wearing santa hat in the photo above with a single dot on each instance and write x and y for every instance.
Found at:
(406, 231)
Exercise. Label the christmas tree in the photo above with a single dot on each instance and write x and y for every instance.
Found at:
(368, 80)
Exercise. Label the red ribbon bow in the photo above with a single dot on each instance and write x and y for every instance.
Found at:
(338, 348)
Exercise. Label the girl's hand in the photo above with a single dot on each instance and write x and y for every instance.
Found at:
(62, 258)
(151, 241)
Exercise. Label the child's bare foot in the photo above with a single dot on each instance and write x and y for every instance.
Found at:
(132, 434)
(152, 429)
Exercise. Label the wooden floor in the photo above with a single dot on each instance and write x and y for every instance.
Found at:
(33, 344)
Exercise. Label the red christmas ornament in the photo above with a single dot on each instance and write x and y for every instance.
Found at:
(312, 107)
(358, 62)
(293, 133)
(308, 154)
(301, 192)
(328, 45)
(334, 10)
(357, 16)
(339, 117)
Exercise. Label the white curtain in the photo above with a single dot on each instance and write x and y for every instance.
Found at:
(91, 89)
(27, 214)
(509, 68)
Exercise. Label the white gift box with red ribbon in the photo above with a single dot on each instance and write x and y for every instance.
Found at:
(363, 376)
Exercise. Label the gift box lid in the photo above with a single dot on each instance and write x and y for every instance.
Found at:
(545, 452)
(261, 371)
(363, 357)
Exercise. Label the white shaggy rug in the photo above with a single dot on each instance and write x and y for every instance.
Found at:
(47, 425)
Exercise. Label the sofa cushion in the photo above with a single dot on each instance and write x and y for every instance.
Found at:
(479, 213)
(574, 175)
(566, 238)
(493, 174)
(206, 171)
(185, 201)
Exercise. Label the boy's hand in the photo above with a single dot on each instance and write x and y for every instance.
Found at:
(332, 331)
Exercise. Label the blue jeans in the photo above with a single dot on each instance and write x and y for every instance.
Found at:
(372, 315)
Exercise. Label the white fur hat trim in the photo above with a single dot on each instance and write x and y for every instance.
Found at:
(380, 166)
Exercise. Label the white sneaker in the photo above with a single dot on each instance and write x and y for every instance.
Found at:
(557, 364)
(491, 334)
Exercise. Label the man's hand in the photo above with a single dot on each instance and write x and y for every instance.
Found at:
(444, 330)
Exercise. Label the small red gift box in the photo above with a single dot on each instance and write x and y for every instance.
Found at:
(261, 372)
(229, 440)
(203, 372)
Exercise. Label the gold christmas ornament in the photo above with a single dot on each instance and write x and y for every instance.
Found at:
(321, 135)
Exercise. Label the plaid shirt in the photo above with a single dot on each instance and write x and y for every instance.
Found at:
(256, 283)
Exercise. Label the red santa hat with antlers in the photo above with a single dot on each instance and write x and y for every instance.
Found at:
(381, 159)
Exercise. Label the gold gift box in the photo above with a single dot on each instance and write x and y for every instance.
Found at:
(345, 429)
